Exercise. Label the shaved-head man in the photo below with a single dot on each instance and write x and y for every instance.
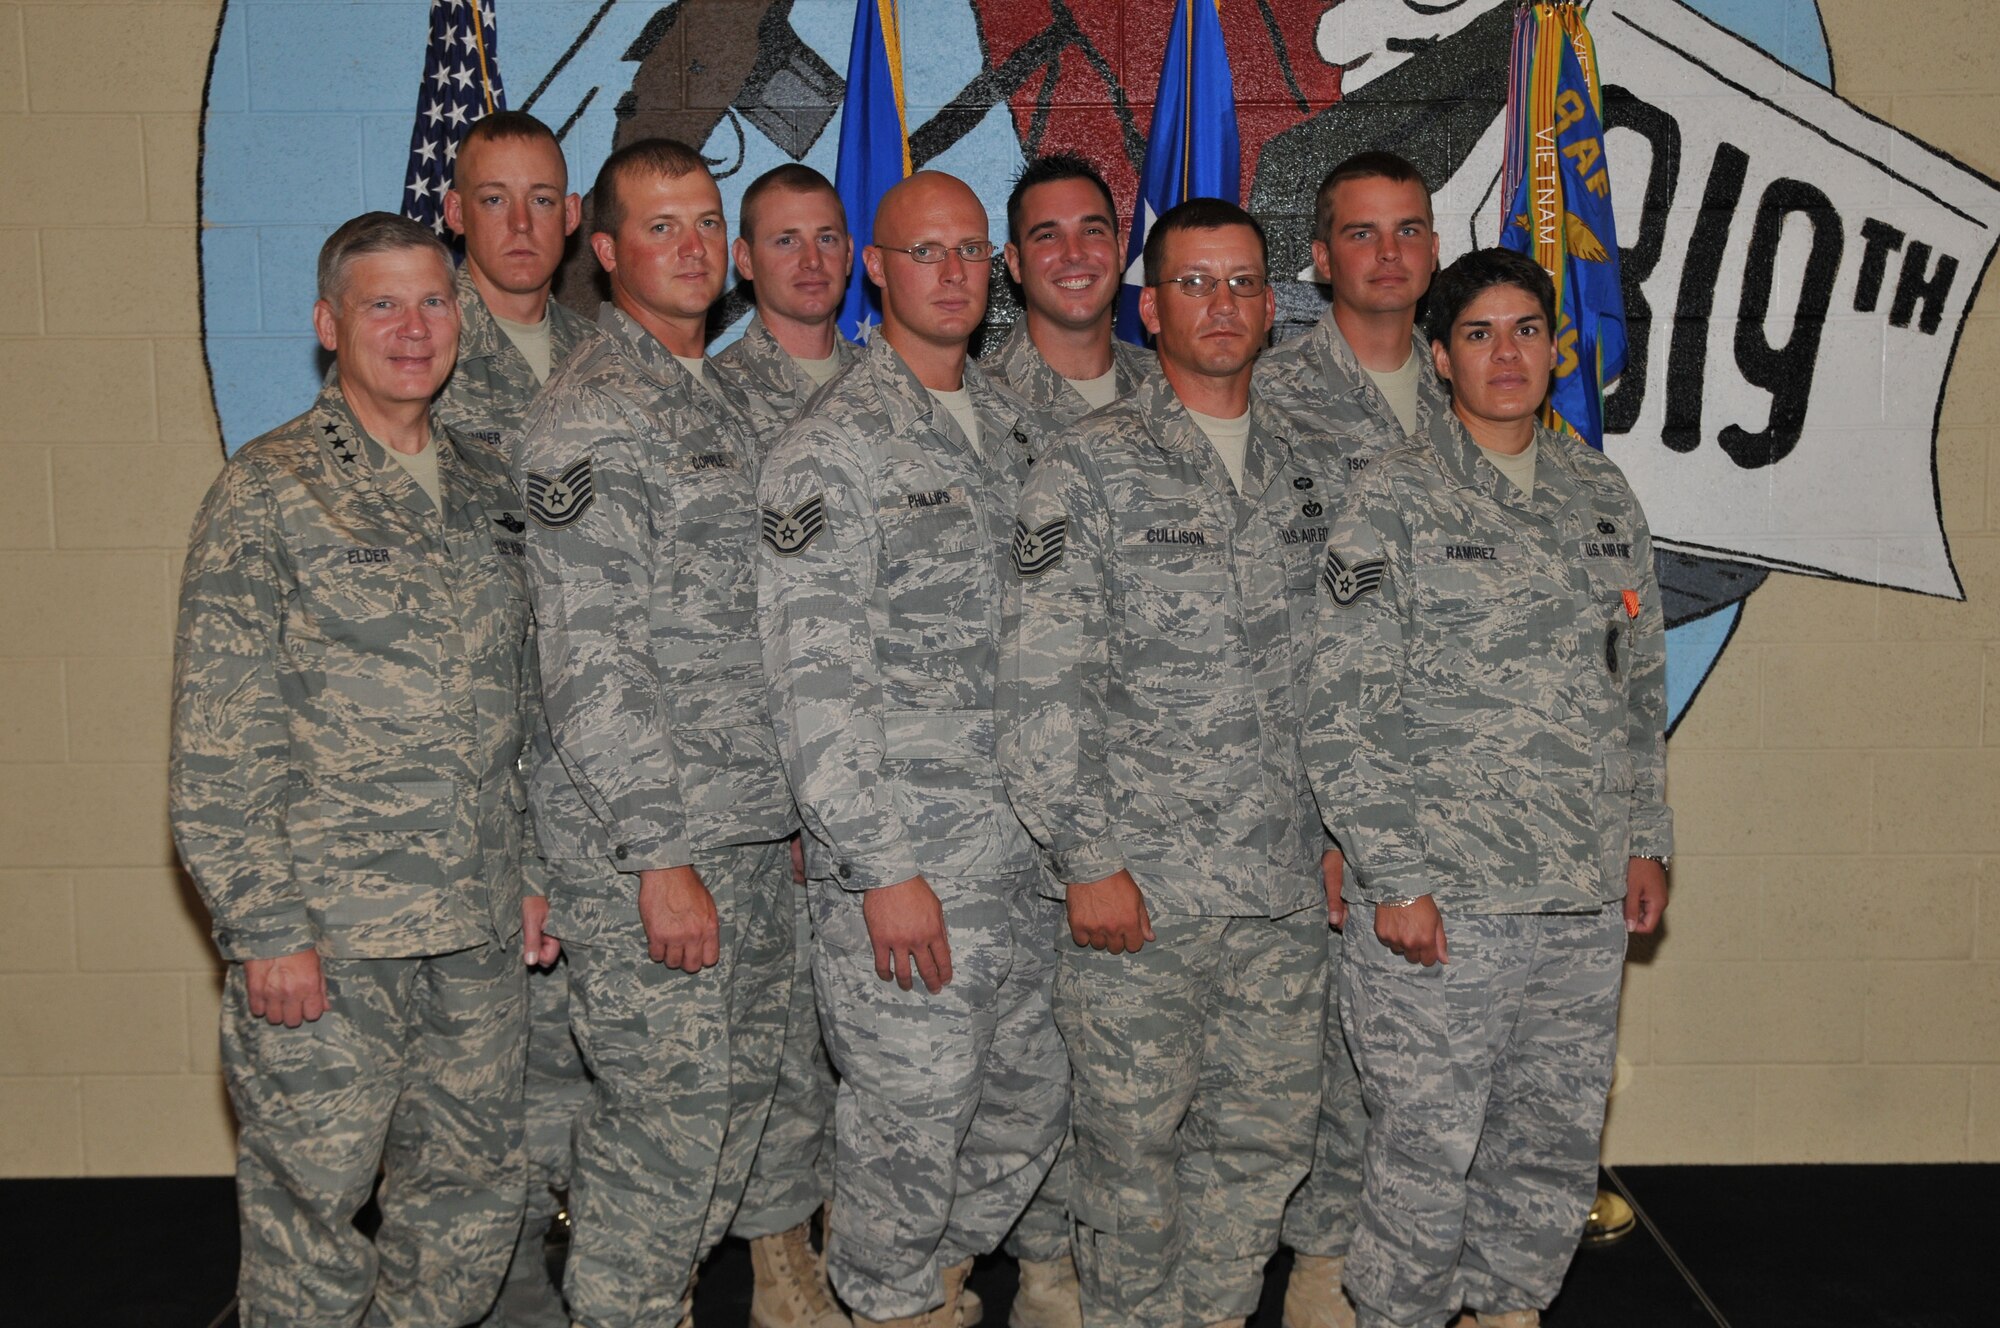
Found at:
(887, 515)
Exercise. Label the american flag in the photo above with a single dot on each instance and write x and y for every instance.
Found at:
(461, 84)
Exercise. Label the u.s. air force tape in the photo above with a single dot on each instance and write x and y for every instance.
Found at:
(788, 533)
(555, 501)
(1037, 550)
(1347, 584)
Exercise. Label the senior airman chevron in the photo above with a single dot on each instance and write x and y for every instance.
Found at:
(788, 533)
(555, 502)
(1036, 551)
(1348, 584)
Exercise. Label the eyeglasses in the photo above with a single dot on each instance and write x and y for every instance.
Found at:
(1199, 285)
(972, 251)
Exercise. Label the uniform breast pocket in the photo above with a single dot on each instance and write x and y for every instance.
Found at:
(352, 593)
(938, 573)
(1177, 603)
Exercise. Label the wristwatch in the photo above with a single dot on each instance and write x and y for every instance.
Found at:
(1666, 862)
(1399, 903)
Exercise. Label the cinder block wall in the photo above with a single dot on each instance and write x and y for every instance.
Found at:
(1828, 990)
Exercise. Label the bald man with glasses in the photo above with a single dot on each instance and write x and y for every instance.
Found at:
(887, 515)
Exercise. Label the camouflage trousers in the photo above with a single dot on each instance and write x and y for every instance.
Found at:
(1196, 1077)
(685, 1066)
(1321, 1216)
(951, 1104)
(1042, 1234)
(558, 1087)
(1485, 1080)
(792, 1174)
(415, 1070)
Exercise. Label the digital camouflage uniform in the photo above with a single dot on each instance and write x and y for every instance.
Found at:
(793, 1171)
(1319, 385)
(1149, 721)
(490, 389)
(1043, 1231)
(642, 512)
(487, 397)
(1019, 361)
(1484, 725)
(886, 532)
(352, 688)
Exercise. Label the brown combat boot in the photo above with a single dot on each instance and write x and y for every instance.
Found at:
(1313, 1298)
(790, 1289)
(1049, 1296)
(944, 1316)
(1511, 1319)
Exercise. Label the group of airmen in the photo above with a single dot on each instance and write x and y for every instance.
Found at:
(1133, 808)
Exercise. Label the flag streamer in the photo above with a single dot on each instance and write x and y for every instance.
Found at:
(1556, 189)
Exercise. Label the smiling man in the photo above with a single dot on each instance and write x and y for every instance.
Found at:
(664, 813)
(1063, 252)
(1484, 729)
(353, 684)
(887, 513)
(1149, 734)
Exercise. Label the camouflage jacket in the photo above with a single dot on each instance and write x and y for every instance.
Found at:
(639, 484)
(352, 689)
(772, 380)
(1487, 700)
(878, 596)
(1315, 380)
(490, 389)
(1019, 362)
(1149, 701)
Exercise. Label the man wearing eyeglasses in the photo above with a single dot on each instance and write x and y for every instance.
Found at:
(886, 517)
(1149, 734)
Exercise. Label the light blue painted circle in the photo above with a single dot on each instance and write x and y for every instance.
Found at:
(308, 123)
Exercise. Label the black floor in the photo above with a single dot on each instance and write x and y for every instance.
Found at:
(1741, 1247)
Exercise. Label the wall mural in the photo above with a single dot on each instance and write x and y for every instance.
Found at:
(1796, 271)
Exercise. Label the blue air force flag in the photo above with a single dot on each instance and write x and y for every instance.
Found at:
(1192, 151)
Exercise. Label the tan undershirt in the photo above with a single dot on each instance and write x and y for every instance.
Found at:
(1231, 440)
(1518, 468)
(423, 468)
(697, 367)
(532, 340)
(820, 371)
(959, 403)
(1400, 387)
(1098, 392)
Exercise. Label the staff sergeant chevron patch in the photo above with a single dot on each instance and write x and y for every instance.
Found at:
(788, 533)
(1036, 551)
(1348, 584)
(556, 502)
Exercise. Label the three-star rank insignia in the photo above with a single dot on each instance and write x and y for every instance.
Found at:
(788, 533)
(556, 501)
(1347, 584)
(1037, 550)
